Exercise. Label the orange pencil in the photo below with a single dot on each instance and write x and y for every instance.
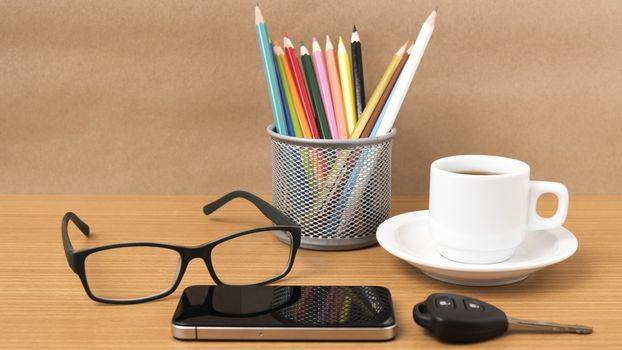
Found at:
(300, 85)
(335, 89)
(300, 112)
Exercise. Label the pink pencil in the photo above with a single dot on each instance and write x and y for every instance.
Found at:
(322, 78)
(335, 90)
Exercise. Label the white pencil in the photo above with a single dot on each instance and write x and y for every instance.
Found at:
(392, 107)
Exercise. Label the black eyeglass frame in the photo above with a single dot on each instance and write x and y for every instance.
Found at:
(77, 258)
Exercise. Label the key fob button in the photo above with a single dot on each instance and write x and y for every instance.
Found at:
(445, 303)
(472, 305)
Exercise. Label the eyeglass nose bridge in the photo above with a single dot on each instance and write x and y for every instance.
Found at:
(200, 252)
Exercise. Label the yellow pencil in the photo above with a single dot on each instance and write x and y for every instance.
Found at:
(347, 90)
(378, 91)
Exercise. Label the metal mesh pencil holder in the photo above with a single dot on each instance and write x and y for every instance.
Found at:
(338, 191)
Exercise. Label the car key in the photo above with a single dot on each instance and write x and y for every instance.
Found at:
(458, 318)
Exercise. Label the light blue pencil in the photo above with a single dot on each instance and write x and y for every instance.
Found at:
(270, 73)
(352, 190)
(374, 131)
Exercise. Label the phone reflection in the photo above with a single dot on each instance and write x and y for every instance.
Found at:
(310, 306)
(336, 306)
(234, 301)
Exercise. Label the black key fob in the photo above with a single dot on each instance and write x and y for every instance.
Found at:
(457, 318)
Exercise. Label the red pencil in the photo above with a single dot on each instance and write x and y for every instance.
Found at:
(300, 85)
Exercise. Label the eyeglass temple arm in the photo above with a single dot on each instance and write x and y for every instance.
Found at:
(266, 208)
(84, 228)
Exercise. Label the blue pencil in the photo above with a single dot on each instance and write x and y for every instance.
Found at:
(268, 68)
(288, 120)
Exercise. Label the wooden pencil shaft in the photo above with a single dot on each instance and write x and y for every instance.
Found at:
(288, 97)
(385, 96)
(288, 120)
(314, 93)
(345, 75)
(270, 73)
(335, 89)
(300, 85)
(357, 76)
(322, 78)
(393, 105)
(295, 95)
(378, 90)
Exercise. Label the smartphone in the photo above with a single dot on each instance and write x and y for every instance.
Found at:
(285, 313)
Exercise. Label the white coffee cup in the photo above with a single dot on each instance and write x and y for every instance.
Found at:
(480, 219)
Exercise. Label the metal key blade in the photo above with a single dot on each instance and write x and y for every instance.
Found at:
(517, 323)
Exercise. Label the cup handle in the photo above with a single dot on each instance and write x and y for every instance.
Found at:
(538, 188)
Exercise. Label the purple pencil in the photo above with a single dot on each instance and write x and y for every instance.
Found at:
(322, 78)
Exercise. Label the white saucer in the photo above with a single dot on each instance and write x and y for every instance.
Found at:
(406, 236)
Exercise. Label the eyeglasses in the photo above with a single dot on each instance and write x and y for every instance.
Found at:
(135, 272)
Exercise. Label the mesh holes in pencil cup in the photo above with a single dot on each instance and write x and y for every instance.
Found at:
(338, 191)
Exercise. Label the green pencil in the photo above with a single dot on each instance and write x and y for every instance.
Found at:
(314, 91)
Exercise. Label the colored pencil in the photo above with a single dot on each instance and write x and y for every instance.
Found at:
(270, 73)
(300, 86)
(385, 95)
(335, 89)
(322, 78)
(288, 120)
(316, 162)
(357, 71)
(289, 103)
(345, 76)
(364, 118)
(387, 118)
(314, 92)
(295, 96)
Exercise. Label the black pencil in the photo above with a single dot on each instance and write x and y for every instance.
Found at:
(357, 71)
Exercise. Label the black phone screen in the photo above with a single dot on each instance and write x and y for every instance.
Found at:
(285, 306)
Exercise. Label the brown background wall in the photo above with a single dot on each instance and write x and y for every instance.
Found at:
(168, 96)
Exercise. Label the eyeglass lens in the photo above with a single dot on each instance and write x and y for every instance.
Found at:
(252, 258)
(131, 272)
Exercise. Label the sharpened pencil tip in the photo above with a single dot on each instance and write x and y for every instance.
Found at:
(303, 50)
(355, 36)
(431, 19)
(287, 43)
(354, 28)
(285, 34)
(436, 8)
(329, 44)
(258, 15)
(315, 46)
(403, 48)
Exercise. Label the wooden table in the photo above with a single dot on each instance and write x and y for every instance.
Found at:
(43, 304)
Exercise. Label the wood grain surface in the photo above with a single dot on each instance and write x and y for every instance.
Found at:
(43, 305)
